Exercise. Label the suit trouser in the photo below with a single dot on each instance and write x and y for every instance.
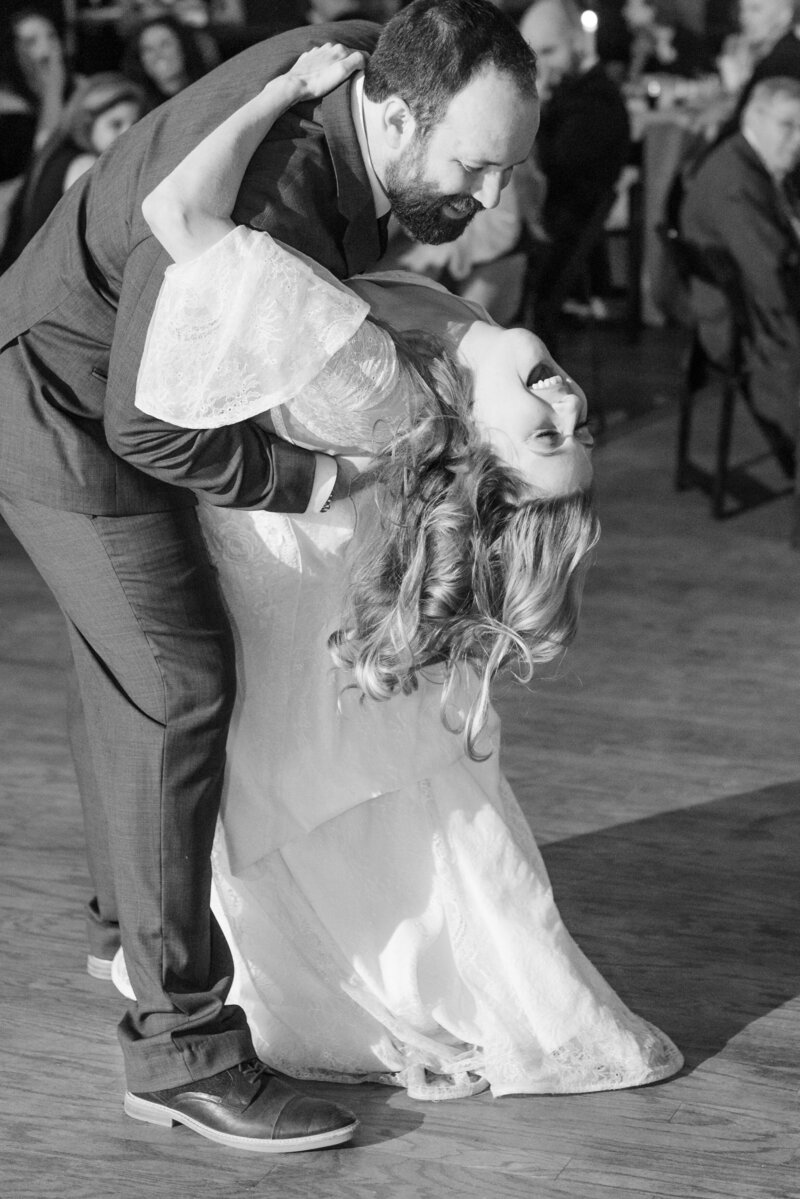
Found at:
(154, 659)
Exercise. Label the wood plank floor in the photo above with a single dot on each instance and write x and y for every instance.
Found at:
(660, 770)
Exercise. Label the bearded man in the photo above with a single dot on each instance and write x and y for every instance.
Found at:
(102, 497)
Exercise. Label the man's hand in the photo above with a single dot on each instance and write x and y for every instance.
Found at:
(49, 76)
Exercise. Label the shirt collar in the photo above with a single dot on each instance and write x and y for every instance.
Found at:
(748, 137)
(379, 197)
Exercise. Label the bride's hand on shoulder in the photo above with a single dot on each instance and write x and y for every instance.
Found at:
(322, 68)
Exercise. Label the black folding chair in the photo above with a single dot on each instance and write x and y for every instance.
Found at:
(715, 267)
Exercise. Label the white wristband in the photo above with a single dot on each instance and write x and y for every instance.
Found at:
(324, 482)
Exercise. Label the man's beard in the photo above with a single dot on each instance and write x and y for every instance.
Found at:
(419, 208)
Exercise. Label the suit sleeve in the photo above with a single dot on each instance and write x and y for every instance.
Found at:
(238, 466)
(746, 224)
(722, 208)
(242, 465)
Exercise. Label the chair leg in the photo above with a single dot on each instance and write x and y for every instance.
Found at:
(780, 445)
(685, 418)
(723, 448)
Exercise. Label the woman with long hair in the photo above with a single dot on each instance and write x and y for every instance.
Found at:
(389, 913)
(35, 72)
(163, 56)
(102, 108)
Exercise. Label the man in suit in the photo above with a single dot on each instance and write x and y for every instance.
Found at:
(741, 199)
(584, 135)
(768, 27)
(103, 497)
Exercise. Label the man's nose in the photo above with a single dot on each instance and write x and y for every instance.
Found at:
(489, 188)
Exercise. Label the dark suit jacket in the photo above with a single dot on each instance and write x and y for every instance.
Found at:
(783, 59)
(75, 307)
(733, 202)
(582, 145)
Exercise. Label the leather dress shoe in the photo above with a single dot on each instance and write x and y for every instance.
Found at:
(247, 1107)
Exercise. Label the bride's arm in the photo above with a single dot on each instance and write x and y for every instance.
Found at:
(190, 209)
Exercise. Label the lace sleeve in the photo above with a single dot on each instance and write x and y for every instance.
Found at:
(240, 329)
(359, 399)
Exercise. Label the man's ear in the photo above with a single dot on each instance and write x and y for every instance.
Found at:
(398, 124)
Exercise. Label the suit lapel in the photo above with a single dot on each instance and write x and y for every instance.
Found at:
(361, 240)
(779, 199)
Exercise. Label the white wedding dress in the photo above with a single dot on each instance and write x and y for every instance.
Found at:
(389, 912)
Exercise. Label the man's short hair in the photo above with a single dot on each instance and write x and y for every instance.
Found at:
(767, 90)
(432, 49)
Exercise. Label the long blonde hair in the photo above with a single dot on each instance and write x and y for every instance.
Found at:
(464, 568)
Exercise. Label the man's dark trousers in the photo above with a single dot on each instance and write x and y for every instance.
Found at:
(102, 497)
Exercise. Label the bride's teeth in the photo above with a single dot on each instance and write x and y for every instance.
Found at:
(553, 381)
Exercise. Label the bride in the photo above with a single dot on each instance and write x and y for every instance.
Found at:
(389, 913)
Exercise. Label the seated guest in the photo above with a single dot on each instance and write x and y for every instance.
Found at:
(660, 43)
(35, 84)
(103, 107)
(584, 135)
(194, 15)
(740, 199)
(321, 11)
(164, 56)
(134, 13)
(765, 47)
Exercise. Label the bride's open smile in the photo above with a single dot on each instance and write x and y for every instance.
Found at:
(534, 417)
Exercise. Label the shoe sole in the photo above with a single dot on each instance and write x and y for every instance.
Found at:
(165, 1117)
(98, 967)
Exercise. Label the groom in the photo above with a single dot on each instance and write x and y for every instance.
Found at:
(102, 497)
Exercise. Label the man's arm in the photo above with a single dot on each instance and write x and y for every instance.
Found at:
(744, 219)
(239, 466)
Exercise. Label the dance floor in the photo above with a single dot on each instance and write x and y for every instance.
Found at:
(659, 766)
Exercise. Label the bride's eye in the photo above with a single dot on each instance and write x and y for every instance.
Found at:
(583, 433)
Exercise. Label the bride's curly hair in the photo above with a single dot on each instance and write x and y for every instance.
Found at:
(464, 568)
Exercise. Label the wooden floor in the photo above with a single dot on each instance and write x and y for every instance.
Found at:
(660, 770)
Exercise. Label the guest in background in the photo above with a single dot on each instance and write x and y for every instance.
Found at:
(741, 199)
(35, 84)
(320, 11)
(195, 15)
(612, 39)
(765, 47)
(103, 107)
(163, 57)
(134, 13)
(777, 54)
(584, 135)
(660, 43)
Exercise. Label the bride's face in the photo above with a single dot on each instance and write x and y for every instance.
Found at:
(538, 427)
